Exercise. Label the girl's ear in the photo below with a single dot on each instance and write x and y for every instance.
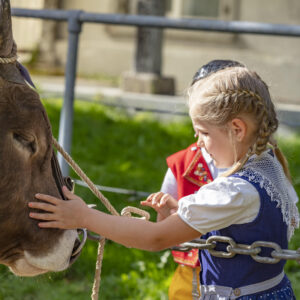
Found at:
(238, 128)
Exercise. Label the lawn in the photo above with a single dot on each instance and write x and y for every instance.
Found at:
(118, 150)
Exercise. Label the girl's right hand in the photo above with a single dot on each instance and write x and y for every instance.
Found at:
(164, 204)
(59, 213)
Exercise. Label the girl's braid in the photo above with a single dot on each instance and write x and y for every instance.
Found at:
(231, 93)
(264, 130)
(253, 103)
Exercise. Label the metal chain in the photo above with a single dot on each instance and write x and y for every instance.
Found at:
(234, 248)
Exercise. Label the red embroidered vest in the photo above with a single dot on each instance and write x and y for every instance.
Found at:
(191, 172)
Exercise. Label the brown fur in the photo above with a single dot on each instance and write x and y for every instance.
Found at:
(25, 164)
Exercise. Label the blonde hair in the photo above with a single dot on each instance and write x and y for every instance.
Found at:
(233, 92)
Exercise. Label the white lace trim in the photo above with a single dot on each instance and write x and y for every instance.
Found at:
(267, 171)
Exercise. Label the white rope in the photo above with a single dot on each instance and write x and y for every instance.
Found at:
(8, 60)
(97, 277)
(125, 212)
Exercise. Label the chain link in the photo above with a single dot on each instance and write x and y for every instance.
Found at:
(265, 259)
(222, 239)
(233, 248)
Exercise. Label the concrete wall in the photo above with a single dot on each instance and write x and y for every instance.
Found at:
(108, 49)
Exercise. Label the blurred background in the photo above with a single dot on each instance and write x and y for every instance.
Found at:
(127, 79)
(108, 51)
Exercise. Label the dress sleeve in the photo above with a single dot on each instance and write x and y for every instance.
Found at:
(219, 204)
(169, 184)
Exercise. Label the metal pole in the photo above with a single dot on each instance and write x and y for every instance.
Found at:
(66, 116)
(162, 22)
(148, 53)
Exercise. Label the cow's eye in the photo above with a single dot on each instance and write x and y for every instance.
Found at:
(25, 141)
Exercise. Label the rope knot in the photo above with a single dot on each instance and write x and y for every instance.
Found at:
(128, 210)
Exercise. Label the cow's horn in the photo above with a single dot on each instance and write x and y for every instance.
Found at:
(10, 69)
(7, 48)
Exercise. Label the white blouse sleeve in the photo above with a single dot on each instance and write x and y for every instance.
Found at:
(169, 184)
(219, 204)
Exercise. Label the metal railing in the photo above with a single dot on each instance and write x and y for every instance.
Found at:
(76, 18)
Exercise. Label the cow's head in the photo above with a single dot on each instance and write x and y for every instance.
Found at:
(27, 166)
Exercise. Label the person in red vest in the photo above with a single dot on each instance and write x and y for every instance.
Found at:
(188, 170)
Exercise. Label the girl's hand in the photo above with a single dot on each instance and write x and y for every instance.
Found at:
(59, 213)
(164, 204)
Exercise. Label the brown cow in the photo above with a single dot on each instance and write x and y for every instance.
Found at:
(28, 165)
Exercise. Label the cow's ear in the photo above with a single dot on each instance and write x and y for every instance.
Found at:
(25, 74)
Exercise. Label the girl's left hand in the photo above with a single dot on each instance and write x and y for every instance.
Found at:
(164, 204)
(70, 214)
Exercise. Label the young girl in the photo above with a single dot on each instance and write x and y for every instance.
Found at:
(234, 117)
(188, 170)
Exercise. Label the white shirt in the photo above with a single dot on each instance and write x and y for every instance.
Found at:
(219, 204)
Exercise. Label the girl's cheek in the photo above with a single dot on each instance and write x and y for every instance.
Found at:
(207, 143)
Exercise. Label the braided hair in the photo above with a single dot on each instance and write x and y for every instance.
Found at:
(233, 92)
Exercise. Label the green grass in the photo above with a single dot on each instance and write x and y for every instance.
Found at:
(127, 152)
(291, 148)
